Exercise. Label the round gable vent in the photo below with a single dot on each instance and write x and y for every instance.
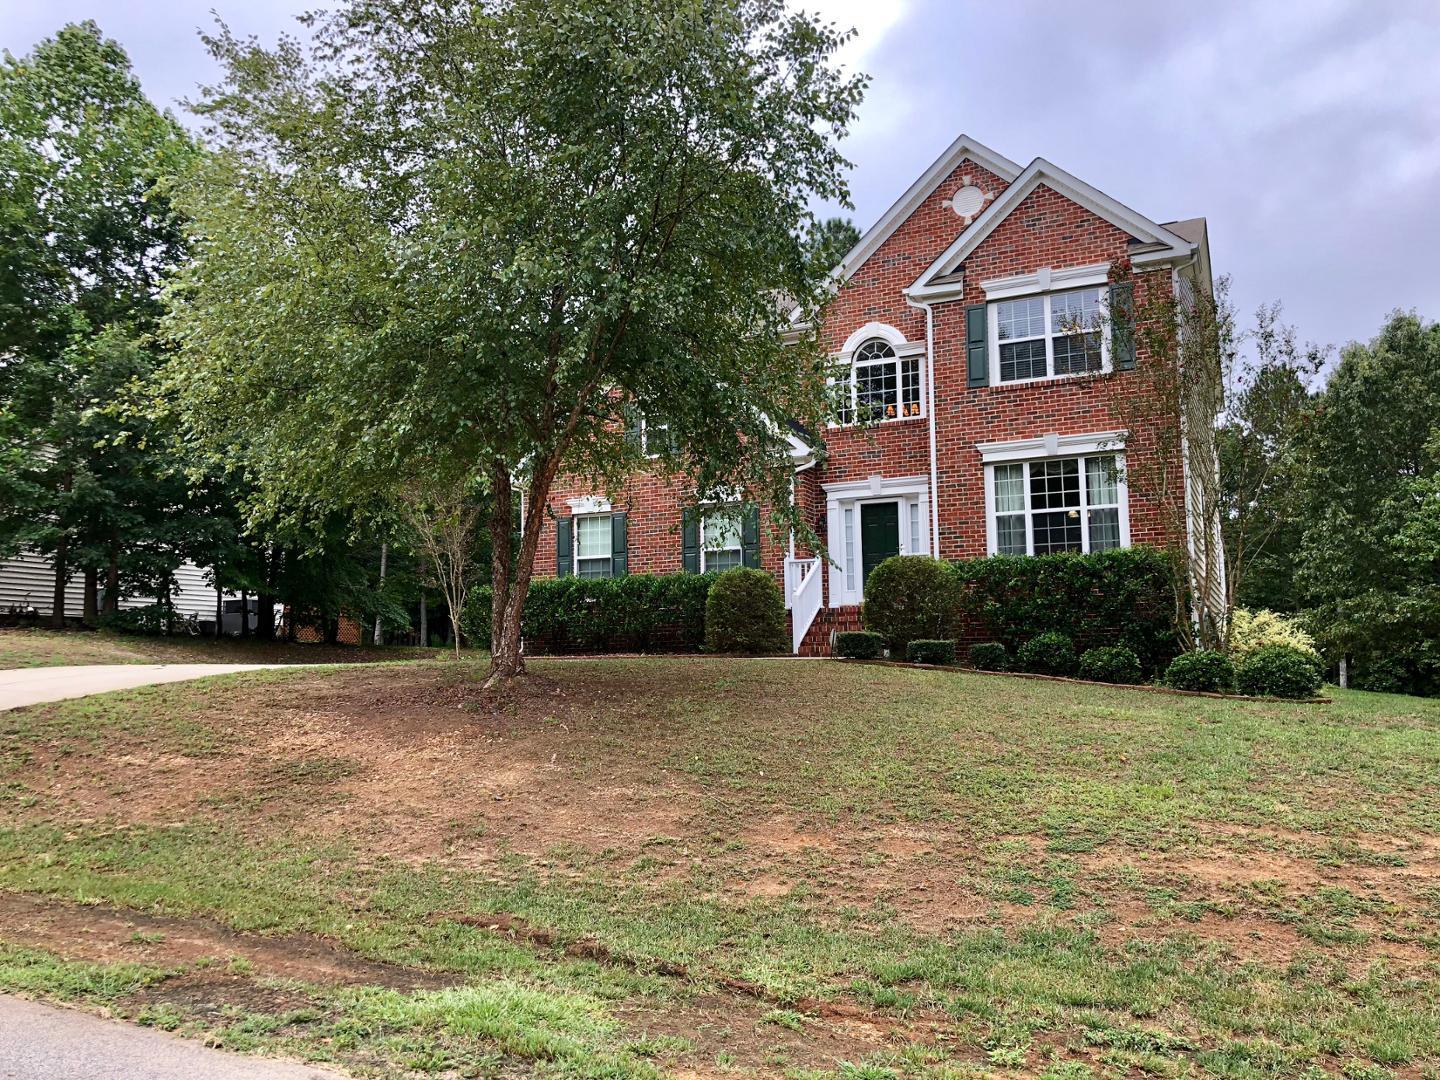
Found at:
(967, 201)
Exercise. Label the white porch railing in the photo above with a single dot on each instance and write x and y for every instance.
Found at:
(804, 592)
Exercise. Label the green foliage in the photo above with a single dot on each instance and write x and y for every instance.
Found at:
(1252, 630)
(859, 644)
(1050, 653)
(477, 235)
(908, 597)
(830, 241)
(921, 651)
(1204, 670)
(989, 656)
(745, 613)
(1279, 671)
(637, 613)
(149, 619)
(1123, 596)
(1110, 663)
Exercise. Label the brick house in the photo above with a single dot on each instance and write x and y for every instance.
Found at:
(960, 328)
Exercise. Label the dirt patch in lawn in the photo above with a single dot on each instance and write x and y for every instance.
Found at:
(111, 935)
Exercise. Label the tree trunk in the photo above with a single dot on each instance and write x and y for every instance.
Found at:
(376, 638)
(91, 609)
(505, 659)
(57, 598)
(265, 617)
(219, 611)
(111, 603)
(244, 614)
(424, 623)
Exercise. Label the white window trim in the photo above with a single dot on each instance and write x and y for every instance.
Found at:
(1121, 484)
(1045, 280)
(1053, 445)
(845, 368)
(575, 520)
(645, 437)
(586, 505)
(992, 320)
(843, 574)
(739, 534)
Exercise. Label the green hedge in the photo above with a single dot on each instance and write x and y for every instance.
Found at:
(930, 651)
(637, 613)
(1121, 597)
(859, 644)
(745, 613)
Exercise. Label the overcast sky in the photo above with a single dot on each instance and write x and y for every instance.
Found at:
(1307, 131)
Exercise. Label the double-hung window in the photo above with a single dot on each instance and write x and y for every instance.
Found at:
(1057, 504)
(878, 385)
(1040, 337)
(721, 546)
(594, 550)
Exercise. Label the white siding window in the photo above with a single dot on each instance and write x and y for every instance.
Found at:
(1058, 504)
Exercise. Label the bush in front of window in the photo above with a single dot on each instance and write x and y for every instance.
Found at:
(1051, 653)
(1203, 670)
(922, 651)
(1119, 597)
(989, 656)
(1110, 663)
(1281, 671)
(745, 613)
(859, 644)
(638, 613)
(909, 597)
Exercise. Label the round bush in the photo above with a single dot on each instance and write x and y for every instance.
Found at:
(1279, 671)
(1204, 670)
(909, 598)
(859, 644)
(923, 651)
(745, 613)
(989, 656)
(1110, 663)
(1051, 653)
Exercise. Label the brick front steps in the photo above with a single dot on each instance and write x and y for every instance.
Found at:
(828, 622)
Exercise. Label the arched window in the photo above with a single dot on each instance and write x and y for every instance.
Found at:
(879, 385)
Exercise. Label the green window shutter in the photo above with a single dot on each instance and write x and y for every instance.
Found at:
(1122, 325)
(619, 545)
(750, 537)
(690, 541)
(564, 536)
(977, 346)
(631, 419)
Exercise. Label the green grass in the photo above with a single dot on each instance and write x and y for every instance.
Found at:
(27, 648)
(1064, 813)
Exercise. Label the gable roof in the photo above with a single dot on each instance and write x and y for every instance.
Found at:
(1151, 242)
(961, 149)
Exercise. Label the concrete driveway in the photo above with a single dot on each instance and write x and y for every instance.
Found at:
(42, 1042)
(31, 686)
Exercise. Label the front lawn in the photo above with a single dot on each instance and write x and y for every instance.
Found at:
(740, 867)
(23, 648)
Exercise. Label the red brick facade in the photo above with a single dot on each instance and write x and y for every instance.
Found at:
(1045, 230)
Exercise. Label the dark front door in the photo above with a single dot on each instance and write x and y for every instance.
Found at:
(879, 535)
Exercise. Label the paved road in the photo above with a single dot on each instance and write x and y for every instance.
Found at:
(42, 1042)
(31, 686)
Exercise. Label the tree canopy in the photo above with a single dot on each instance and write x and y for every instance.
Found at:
(490, 229)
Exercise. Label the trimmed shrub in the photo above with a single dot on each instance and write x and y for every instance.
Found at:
(910, 597)
(1204, 670)
(1110, 663)
(923, 651)
(859, 644)
(989, 656)
(1254, 630)
(639, 613)
(1279, 671)
(1118, 597)
(1050, 653)
(745, 613)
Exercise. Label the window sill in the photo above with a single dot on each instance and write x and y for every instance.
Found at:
(997, 385)
(881, 423)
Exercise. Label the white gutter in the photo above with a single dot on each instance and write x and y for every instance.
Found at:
(930, 412)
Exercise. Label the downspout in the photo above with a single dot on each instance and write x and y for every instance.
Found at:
(930, 413)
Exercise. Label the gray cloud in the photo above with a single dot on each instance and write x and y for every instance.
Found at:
(1308, 131)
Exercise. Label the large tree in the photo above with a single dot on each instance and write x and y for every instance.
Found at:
(86, 236)
(487, 229)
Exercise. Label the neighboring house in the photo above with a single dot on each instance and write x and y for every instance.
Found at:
(27, 581)
(959, 322)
